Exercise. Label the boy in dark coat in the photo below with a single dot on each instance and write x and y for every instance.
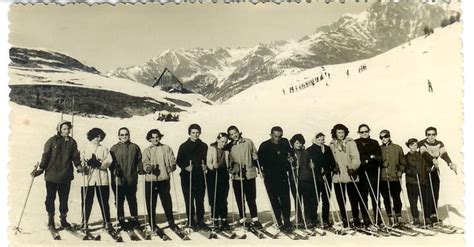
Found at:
(59, 157)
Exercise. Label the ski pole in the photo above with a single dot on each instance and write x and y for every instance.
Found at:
(72, 118)
(343, 196)
(205, 184)
(144, 200)
(176, 196)
(214, 200)
(446, 205)
(17, 228)
(300, 201)
(378, 198)
(421, 200)
(102, 206)
(190, 196)
(326, 185)
(435, 203)
(315, 186)
(390, 199)
(152, 215)
(116, 198)
(262, 178)
(377, 203)
(404, 200)
(242, 198)
(361, 199)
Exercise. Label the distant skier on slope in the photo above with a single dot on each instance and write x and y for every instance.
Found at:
(347, 73)
(430, 86)
(59, 158)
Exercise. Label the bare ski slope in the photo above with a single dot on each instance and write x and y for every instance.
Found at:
(391, 94)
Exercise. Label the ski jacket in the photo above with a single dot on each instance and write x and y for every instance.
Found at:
(393, 162)
(346, 157)
(128, 157)
(323, 160)
(160, 156)
(193, 152)
(243, 152)
(304, 173)
(59, 157)
(368, 147)
(416, 164)
(96, 176)
(216, 157)
(435, 150)
(274, 159)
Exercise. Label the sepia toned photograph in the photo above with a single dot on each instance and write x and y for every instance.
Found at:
(323, 122)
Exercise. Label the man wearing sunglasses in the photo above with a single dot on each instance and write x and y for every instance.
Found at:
(431, 150)
(371, 160)
(393, 166)
(126, 162)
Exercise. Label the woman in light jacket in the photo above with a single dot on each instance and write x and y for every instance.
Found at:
(218, 180)
(96, 160)
(158, 162)
(344, 177)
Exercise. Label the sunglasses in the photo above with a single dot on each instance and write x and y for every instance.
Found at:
(385, 136)
(124, 134)
(431, 134)
(364, 132)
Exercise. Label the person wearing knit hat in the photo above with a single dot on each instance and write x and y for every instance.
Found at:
(59, 157)
(393, 167)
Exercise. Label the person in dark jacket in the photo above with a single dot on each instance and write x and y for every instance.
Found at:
(369, 170)
(431, 150)
(393, 166)
(59, 157)
(126, 164)
(191, 159)
(275, 156)
(416, 176)
(322, 162)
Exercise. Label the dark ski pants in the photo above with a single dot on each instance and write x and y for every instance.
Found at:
(296, 204)
(324, 198)
(221, 190)
(152, 190)
(197, 192)
(435, 184)
(413, 192)
(393, 195)
(370, 189)
(279, 194)
(354, 199)
(250, 194)
(130, 193)
(63, 192)
(102, 194)
(307, 196)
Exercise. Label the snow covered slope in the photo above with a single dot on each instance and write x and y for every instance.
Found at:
(390, 94)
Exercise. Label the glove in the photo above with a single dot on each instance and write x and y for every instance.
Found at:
(170, 169)
(118, 172)
(204, 167)
(36, 172)
(83, 169)
(148, 169)
(336, 170)
(435, 163)
(291, 160)
(372, 156)
(93, 162)
(453, 167)
(188, 168)
(399, 174)
(352, 173)
(141, 171)
(156, 171)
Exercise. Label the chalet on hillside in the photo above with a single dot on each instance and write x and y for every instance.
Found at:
(169, 82)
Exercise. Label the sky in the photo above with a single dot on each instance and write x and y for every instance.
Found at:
(107, 37)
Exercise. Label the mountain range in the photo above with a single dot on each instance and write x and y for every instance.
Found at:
(220, 73)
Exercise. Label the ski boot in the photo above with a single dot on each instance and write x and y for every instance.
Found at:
(224, 225)
(257, 225)
(51, 222)
(64, 222)
(134, 223)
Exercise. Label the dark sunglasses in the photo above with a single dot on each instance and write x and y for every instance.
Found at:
(364, 132)
(384, 136)
(431, 134)
(124, 134)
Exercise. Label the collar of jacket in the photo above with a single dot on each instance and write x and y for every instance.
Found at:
(65, 138)
(387, 144)
(197, 141)
(159, 144)
(124, 143)
(240, 140)
(346, 140)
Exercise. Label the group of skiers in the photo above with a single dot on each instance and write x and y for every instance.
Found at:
(312, 82)
(355, 169)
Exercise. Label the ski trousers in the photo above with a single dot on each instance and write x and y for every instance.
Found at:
(221, 190)
(63, 192)
(279, 194)
(394, 195)
(197, 193)
(87, 194)
(152, 190)
(250, 194)
(128, 192)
